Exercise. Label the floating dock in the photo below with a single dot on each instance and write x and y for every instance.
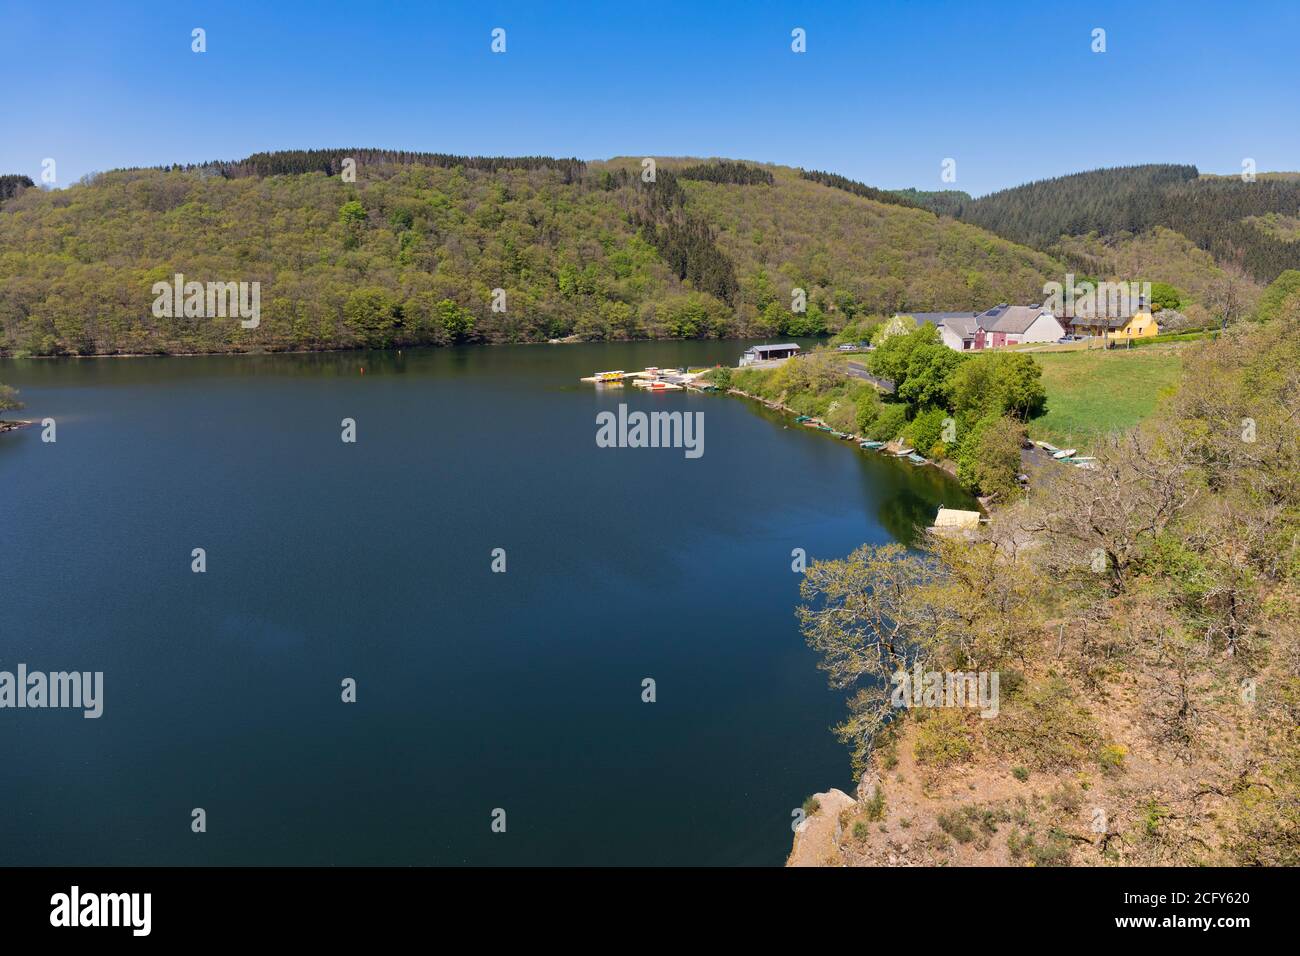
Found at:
(608, 378)
(653, 378)
(950, 520)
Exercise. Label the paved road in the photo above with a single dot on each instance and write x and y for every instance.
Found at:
(857, 370)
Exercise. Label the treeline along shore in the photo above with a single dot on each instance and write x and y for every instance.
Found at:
(1137, 624)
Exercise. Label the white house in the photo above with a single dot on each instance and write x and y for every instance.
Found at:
(1001, 325)
(1018, 324)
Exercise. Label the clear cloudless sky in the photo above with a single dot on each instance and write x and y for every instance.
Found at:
(885, 92)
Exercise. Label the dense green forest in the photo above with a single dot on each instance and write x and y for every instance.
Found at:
(1233, 220)
(331, 162)
(860, 189)
(411, 250)
(402, 248)
(11, 184)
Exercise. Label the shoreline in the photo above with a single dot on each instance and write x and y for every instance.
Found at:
(947, 467)
(14, 426)
(325, 350)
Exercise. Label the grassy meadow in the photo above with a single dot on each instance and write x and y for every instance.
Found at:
(1093, 393)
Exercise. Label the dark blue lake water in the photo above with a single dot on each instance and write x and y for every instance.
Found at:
(475, 690)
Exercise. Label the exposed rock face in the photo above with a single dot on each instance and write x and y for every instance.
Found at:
(817, 839)
(868, 784)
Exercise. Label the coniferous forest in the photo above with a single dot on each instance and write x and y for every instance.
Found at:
(1219, 214)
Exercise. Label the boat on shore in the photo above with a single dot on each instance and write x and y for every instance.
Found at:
(916, 459)
(1062, 454)
(872, 445)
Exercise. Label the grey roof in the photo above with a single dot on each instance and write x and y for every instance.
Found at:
(1014, 319)
(773, 348)
(963, 325)
(938, 318)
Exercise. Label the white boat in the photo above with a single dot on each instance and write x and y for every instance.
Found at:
(1065, 453)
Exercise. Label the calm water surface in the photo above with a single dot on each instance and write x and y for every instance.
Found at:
(476, 690)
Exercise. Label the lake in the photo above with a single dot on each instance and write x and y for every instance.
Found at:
(475, 691)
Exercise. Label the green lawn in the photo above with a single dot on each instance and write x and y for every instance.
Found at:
(1090, 394)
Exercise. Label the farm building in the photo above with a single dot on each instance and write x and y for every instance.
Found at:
(1001, 325)
(768, 353)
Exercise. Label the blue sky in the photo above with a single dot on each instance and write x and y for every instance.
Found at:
(885, 92)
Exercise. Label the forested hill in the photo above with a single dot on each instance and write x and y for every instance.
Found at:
(413, 249)
(1246, 224)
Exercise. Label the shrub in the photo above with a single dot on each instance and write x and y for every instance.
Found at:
(993, 384)
(720, 376)
(1048, 729)
(811, 806)
(989, 460)
(9, 399)
(944, 739)
(1068, 798)
(868, 409)
(861, 830)
(925, 431)
(1111, 757)
(1165, 296)
(955, 824)
(1020, 773)
(842, 415)
(889, 423)
(889, 758)
(875, 807)
(1055, 851)
(1153, 814)
(1016, 843)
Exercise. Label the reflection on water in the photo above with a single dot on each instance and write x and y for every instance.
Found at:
(372, 562)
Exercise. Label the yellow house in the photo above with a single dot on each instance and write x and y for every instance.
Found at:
(1141, 326)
